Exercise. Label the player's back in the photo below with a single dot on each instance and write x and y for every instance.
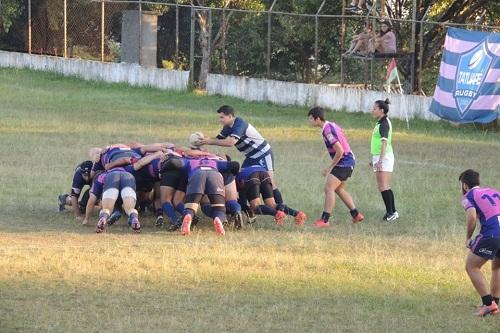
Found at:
(486, 201)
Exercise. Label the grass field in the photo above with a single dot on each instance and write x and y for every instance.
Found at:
(59, 276)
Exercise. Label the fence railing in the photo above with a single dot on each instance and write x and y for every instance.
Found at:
(267, 43)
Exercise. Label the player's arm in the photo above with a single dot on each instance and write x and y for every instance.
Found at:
(74, 205)
(118, 162)
(339, 152)
(471, 223)
(226, 142)
(90, 207)
(146, 160)
(154, 147)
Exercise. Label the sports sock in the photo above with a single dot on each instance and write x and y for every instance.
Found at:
(277, 196)
(487, 299)
(265, 210)
(233, 207)
(158, 212)
(354, 212)
(387, 201)
(220, 213)
(289, 211)
(207, 210)
(393, 205)
(325, 216)
(170, 211)
(180, 207)
(188, 211)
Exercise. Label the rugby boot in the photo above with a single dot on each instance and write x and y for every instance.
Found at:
(115, 216)
(238, 221)
(219, 228)
(300, 219)
(62, 201)
(135, 224)
(485, 310)
(280, 217)
(320, 223)
(358, 218)
(186, 225)
(159, 221)
(103, 221)
(392, 217)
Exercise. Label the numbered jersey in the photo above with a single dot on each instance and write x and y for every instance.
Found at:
(486, 201)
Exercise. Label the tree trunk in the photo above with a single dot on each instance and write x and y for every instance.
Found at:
(205, 48)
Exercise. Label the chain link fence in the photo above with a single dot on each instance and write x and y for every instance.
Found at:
(273, 43)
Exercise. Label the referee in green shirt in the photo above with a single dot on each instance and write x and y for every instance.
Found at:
(383, 157)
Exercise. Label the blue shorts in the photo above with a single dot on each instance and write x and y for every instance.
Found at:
(119, 180)
(486, 247)
(206, 182)
(266, 161)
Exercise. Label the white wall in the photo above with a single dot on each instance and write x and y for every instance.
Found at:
(132, 74)
(307, 95)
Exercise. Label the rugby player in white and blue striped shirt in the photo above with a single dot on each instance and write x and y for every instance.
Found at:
(237, 132)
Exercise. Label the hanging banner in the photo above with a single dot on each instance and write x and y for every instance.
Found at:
(468, 87)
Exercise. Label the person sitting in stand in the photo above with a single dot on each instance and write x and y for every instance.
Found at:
(359, 42)
(384, 41)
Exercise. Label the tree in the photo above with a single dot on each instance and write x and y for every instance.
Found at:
(9, 11)
(477, 12)
(202, 17)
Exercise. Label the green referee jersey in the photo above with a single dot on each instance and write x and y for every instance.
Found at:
(382, 130)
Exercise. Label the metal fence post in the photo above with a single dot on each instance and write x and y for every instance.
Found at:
(176, 30)
(191, 50)
(140, 32)
(413, 41)
(65, 53)
(209, 40)
(268, 53)
(268, 56)
(102, 31)
(316, 37)
(29, 26)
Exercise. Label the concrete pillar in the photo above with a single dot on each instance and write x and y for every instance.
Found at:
(139, 38)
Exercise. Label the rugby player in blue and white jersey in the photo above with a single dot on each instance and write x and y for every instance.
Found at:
(242, 135)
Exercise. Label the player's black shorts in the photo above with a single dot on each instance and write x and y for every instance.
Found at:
(206, 182)
(227, 177)
(259, 183)
(174, 178)
(486, 247)
(342, 173)
(144, 184)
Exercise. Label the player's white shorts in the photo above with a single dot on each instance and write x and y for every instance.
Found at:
(387, 162)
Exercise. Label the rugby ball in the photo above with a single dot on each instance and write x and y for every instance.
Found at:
(195, 138)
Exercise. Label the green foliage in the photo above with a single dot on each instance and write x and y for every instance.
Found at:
(9, 11)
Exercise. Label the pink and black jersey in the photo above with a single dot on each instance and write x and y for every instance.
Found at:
(115, 152)
(486, 201)
(332, 133)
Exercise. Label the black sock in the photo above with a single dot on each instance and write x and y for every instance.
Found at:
(277, 196)
(487, 299)
(393, 205)
(290, 211)
(325, 216)
(496, 299)
(387, 201)
(265, 210)
(354, 212)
